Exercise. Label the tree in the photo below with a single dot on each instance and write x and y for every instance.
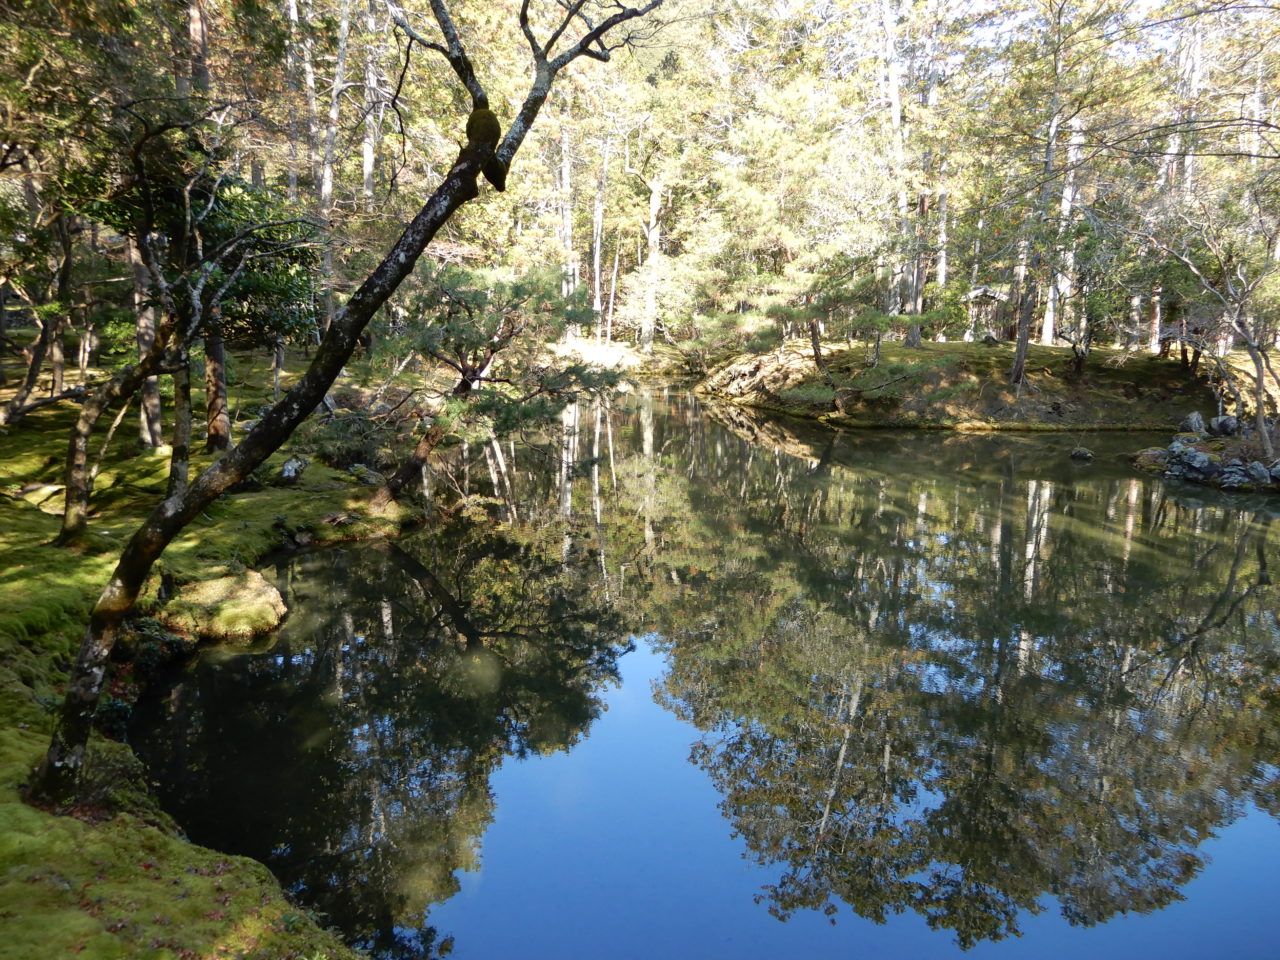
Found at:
(573, 30)
(483, 333)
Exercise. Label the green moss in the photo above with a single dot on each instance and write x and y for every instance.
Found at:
(128, 886)
(228, 608)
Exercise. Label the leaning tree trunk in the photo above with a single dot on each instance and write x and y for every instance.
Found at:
(410, 469)
(56, 778)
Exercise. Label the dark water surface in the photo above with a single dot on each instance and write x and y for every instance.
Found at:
(744, 688)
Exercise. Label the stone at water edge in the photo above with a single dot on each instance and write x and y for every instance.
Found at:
(1192, 423)
(1258, 472)
(1225, 426)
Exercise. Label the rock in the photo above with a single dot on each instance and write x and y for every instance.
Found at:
(1234, 477)
(365, 475)
(1190, 464)
(1151, 460)
(1081, 453)
(1226, 426)
(1192, 423)
(291, 469)
(228, 608)
(1258, 473)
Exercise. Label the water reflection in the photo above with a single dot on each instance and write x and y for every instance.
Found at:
(963, 686)
(961, 676)
(354, 755)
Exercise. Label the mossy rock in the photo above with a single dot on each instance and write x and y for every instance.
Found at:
(236, 608)
(1151, 460)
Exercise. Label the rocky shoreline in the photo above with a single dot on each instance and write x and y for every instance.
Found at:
(1223, 453)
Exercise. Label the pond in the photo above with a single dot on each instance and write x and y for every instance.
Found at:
(687, 682)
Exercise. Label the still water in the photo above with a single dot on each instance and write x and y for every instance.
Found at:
(687, 683)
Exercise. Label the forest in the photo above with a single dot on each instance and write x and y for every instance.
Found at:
(283, 274)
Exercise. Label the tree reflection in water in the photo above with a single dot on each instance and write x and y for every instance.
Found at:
(353, 756)
(959, 676)
(961, 691)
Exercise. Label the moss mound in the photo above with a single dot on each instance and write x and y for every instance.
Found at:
(227, 608)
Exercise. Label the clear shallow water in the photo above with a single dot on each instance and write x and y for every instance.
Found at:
(919, 678)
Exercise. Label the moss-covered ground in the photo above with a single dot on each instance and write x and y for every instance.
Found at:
(966, 386)
(115, 878)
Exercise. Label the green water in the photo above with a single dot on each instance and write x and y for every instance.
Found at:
(965, 685)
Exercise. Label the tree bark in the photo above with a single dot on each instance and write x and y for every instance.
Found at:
(180, 448)
(410, 470)
(13, 411)
(217, 412)
(76, 475)
(150, 430)
(373, 107)
(330, 154)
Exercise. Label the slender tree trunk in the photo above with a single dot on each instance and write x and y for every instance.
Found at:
(1058, 305)
(180, 454)
(597, 239)
(76, 475)
(940, 271)
(217, 408)
(1261, 427)
(150, 432)
(1154, 321)
(613, 284)
(1025, 299)
(373, 105)
(569, 253)
(36, 354)
(277, 367)
(900, 294)
(653, 255)
(330, 155)
(819, 361)
(1026, 306)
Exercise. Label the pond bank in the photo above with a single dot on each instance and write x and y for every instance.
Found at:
(964, 387)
